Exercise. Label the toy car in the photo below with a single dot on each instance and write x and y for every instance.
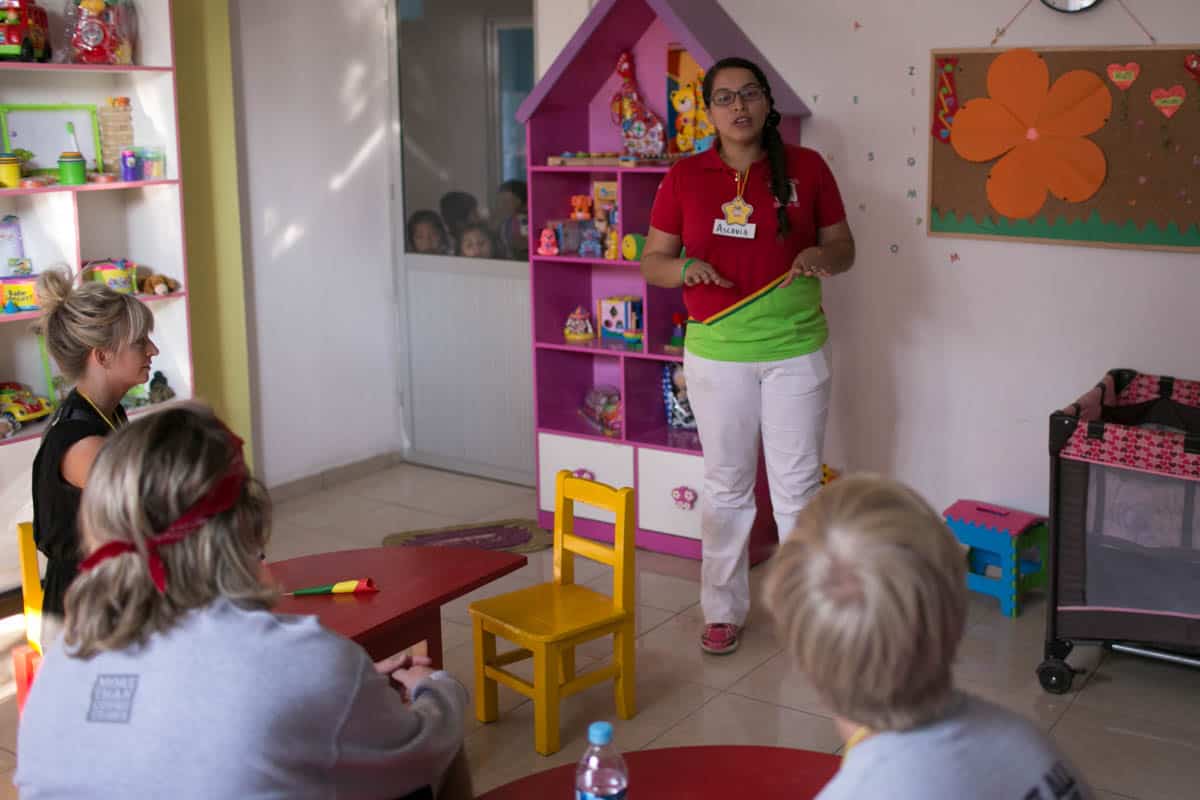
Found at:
(18, 404)
(24, 31)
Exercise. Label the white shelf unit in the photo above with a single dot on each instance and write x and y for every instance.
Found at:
(141, 221)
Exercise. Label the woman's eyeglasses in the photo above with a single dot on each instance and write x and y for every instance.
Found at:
(749, 94)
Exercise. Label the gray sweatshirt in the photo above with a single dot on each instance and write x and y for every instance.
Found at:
(233, 703)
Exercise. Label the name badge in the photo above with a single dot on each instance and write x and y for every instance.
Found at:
(733, 229)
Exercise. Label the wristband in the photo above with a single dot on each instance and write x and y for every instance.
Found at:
(683, 272)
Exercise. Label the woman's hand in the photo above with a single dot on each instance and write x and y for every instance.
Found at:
(401, 661)
(809, 263)
(698, 272)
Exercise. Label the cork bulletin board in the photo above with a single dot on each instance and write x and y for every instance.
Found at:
(1095, 147)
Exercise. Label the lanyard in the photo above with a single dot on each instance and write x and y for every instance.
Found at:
(110, 422)
(855, 738)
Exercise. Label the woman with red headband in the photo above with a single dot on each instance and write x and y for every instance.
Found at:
(761, 223)
(174, 678)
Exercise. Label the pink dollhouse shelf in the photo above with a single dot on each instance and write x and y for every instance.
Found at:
(599, 262)
(664, 438)
(608, 348)
(29, 66)
(89, 187)
(658, 355)
(145, 298)
(30, 430)
(581, 432)
(607, 170)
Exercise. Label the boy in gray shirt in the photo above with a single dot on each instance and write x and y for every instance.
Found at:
(869, 596)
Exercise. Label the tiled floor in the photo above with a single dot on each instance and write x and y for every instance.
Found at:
(1132, 726)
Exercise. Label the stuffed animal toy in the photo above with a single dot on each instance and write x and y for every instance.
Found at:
(159, 284)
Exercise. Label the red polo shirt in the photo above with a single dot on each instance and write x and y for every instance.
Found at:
(690, 198)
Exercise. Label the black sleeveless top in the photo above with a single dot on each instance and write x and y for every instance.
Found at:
(55, 501)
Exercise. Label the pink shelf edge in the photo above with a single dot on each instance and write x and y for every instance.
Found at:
(602, 262)
(90, 187)
(145, 298)
(30, 66)
(599, 168)
(646, 540)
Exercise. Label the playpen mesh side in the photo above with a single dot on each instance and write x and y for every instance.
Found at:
(1142, 541)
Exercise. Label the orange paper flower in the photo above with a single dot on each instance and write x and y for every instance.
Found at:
(1039, 130)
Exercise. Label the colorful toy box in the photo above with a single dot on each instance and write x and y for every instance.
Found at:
(619, 316)
(18, 294)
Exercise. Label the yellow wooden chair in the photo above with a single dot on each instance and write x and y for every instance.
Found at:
(31, 584)
(548, 621)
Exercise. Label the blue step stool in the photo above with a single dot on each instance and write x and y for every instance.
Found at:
(1014, 541)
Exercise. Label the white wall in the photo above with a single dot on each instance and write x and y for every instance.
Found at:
(946, 373)
(314, 111)
(556, 22)
(444, 86)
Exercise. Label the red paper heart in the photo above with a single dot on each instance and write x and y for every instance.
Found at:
(1168, 101)
(1124, 76)
(1191, 63)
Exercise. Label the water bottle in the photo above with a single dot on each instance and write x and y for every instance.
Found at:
(601, 772)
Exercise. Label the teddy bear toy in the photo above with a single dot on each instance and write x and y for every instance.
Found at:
(159, 284)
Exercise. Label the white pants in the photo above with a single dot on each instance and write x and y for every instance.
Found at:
(788, 401)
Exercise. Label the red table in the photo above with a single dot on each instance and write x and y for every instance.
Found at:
(761, 773)
(414, 583)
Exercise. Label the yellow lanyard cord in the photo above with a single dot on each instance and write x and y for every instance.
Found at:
(740, 179)
(96, 408)
(855, 738)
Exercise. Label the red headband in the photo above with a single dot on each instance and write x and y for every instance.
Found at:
(222, 497)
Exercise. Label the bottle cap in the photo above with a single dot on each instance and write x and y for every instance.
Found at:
(600, 733)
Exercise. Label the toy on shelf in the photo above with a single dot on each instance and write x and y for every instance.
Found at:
(602, 410)
(617, 315)
(631, 246)
(548, 243)
(641, 129)
(160, 390)
(100, 31)
(13, 263)
(581, 207)
(119, 274)
(589, 245)
(157, 284)
(115, 118)
(18, 294)
(675, 345)
(675, 399)
(19, 405)
(612, 244)
(579, 326)
(687, 117)
(24, 31)
(10, 171)
(583, 159)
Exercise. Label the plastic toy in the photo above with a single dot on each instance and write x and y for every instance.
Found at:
(24, 31)
(579, 326)
(157, 284)
(115, 118)
(631, 246)
(675, 399)
(8, 429)
(548, 244)
(101, 31)
(581, 207)
(829, 474)
(19, 405)
(602, 410)
(675, 345)
(619, 314)
(160, 390)
(641, 129)
(13, 262)
(612, 243)
(570, 234)
(10, 171)
(590, 246)
(120, 275)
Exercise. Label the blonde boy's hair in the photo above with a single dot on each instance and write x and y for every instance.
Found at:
(869, 598)
(146, 476)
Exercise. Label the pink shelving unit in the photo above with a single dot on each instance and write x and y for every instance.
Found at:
(568, 111)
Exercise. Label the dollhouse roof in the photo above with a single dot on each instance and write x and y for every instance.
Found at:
(701, 26)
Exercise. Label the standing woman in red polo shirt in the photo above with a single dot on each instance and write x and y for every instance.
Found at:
(761, 223)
